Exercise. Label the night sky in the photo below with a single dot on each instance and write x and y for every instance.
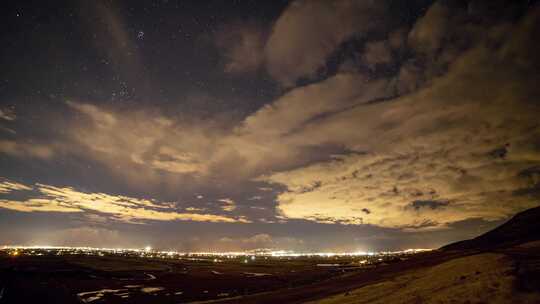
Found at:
(231, 125)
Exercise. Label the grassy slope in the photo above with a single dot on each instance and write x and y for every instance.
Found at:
(480, 278)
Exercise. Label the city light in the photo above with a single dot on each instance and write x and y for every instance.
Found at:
(214, 256)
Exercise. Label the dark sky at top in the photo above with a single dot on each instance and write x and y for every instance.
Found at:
(308, 125)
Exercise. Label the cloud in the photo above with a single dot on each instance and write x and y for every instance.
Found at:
(242, 46)
(7, 186)
(229, 206)
(424, 161)
(178, 149)
(417, 205)
(7, 114)
(307, 32)
(377, 52)
(301, 105)
(448, 29)
(398, 38)
(26, 149)
(191, 209)
(408, 191)
(268, 139)
(117, 207)
(141, 138)
(410, 78)
(101, 118)
(429, 31)
(37, 205)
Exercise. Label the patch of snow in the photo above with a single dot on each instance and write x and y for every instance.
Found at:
(151, 289)
(90, 296)
(92, 299)
(255, 274)
(82, 294)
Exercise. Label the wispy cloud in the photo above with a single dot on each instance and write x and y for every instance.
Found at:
(22, 149)
(7, 186)
(7, 114)
(118, 207)
(229, 206)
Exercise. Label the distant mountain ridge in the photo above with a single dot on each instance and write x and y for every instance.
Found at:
(523, 227)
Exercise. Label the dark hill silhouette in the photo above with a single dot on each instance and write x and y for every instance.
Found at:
(523, 227)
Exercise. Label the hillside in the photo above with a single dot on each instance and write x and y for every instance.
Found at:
(523, 227)
(500, 266)
(481, 278)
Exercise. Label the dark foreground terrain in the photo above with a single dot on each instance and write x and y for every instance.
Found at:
(116, 279)
(502, 266)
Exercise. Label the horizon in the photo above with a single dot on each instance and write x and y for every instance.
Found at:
(265, 252)
(255, 251)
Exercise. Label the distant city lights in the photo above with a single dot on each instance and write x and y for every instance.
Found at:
(148, 251)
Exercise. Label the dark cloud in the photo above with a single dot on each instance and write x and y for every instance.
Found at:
(499, 152)
(417, 205)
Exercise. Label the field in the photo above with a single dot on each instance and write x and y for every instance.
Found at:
(504, 275)
(73, 278)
